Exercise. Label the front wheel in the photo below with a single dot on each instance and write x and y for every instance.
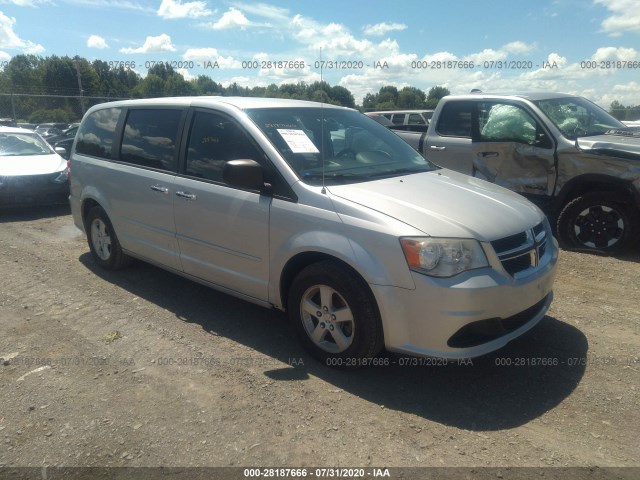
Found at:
(595, 221)
(335, 315)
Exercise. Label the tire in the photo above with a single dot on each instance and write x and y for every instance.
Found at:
(335, 315)
(103, 242)
(598, 222)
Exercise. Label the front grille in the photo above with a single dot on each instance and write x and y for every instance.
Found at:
(521, 251)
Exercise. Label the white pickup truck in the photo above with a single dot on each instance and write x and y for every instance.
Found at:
(563, 152)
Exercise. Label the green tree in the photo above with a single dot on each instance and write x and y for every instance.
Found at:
(617, 110)
(151, 86)
(411, 97)
(342, 96)
(434, 96)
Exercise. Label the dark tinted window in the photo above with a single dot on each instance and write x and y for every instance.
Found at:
(416, 119)
(398, 118)
(95, 136)
(149, 138)
(455, 119)
(214, 139)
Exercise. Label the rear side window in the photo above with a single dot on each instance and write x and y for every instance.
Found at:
(455, 120)
(416, 119)
(398, 118)
(95, 136)
(150, 138)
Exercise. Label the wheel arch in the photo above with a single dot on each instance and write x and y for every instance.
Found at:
(622, 190)
(300, 261)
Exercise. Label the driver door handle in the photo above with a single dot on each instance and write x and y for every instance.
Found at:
(160, 188)
(433, 147)
(187, 195)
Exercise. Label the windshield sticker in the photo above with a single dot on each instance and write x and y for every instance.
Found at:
(298, 141)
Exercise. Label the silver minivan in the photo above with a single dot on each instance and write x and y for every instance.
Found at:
(318, 211)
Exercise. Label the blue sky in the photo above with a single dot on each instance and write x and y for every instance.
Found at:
(417, 43)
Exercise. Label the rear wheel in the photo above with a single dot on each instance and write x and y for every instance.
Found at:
(335, 315)
(103, 242)
(595, 221)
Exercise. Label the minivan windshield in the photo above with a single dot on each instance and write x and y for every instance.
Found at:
(578, 117)
(342, 145)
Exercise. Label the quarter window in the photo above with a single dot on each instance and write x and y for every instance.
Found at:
(149, 138)
(95, 136)
(398, 118)
(416, 119)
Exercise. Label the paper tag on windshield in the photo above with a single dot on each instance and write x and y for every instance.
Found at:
(298, 141)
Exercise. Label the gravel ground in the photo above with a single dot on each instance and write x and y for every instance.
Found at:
(143, 368)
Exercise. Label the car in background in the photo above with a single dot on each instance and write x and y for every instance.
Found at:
(8, 122)
(65, 134)
(405, 120)
(563, 152)
(66, 144)
(46, 132)
(31, 172)
(28, 126)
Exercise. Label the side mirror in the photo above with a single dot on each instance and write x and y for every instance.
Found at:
(62, 152)
(244, 174)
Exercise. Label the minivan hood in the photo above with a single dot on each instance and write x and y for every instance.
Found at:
(11, 166)
(444, 203)
(623, 142)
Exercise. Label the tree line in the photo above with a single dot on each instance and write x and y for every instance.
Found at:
(60, 89)
(54, 88)
(622, 112)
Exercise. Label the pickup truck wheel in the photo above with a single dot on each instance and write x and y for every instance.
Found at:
(103, 242)
(335, 315)
(595, 222)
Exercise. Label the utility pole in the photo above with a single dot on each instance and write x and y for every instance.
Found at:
(77, 63)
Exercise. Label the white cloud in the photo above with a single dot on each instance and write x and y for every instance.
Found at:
(186, 74)
(4, 56)
(230, 19)
(615, 53)
(26, 3)
(171, 9)
(626, 93)
(380, 29)
(334, 39)
(264, 10)
(519, 48)
(112, 4)
(625, 16)
(161, 43)
(10, 40)
(96, 41)
(210, 55)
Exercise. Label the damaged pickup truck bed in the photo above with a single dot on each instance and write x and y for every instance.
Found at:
(573, 159)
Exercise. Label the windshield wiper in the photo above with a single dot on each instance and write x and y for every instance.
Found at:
(333, 176)
(400, 171)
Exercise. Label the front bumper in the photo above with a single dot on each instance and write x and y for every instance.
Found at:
(468, 315)
(33, 190)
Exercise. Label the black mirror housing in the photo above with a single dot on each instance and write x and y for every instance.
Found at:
(244, 174)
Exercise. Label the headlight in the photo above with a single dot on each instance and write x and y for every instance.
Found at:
(443, 257)
(60, 177)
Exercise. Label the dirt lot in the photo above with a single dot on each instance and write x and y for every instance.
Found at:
(143, 368)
